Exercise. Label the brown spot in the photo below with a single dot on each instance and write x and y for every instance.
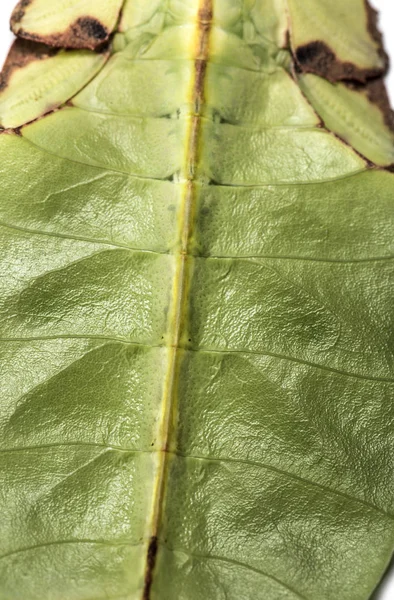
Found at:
(375, 88)
(318, 58)
(9, 131)
(390, 168)
(150, 565)
(85, 33)
(199, 88)
(19, 11)
(22, 53)
(205, 14)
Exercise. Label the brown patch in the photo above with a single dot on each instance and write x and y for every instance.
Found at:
(390, 168)
(150, 565)
(19, 11)
(10, 131)
(22, 53)
(85, 33)
(318, 58)
(205, 14)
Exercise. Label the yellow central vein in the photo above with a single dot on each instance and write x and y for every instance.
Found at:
(178, 308)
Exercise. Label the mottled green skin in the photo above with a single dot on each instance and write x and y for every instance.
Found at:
(279, 458)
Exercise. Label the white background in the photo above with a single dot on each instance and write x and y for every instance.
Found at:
(386, 8)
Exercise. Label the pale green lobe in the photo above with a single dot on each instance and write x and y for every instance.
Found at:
(266, 18)
(350, 114)
(196, 321)
(46, 83)
(342, 26)
(70, 23)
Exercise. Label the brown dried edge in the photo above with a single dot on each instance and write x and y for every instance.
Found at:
(375, 88)
(19, 11)
(23, 52)
(85, 33)
(318, 58)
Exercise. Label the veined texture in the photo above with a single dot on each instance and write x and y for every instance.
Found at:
(196, 232)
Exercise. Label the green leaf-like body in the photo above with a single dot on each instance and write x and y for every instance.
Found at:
(196, 326)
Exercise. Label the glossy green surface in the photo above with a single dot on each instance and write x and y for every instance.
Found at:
(196, 338)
